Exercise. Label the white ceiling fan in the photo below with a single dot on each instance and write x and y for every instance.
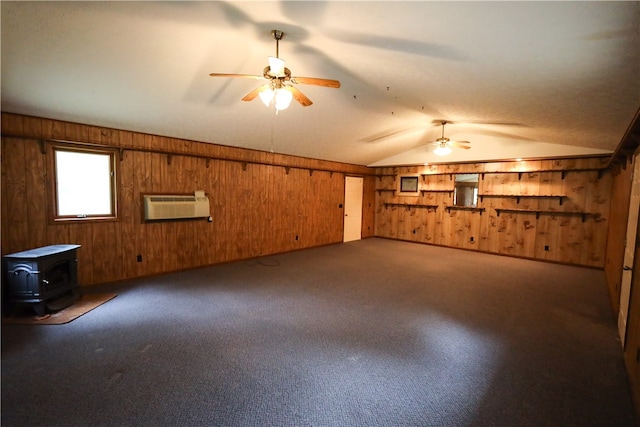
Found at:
(443, 144)
(278, 90)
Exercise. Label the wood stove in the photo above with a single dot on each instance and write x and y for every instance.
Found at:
(46, 277)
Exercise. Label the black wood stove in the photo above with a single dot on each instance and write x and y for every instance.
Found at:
(45, 277)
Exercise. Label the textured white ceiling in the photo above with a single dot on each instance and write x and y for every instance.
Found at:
(518, 79)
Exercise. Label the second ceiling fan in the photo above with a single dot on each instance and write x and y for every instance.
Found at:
(278, 90)
(443, 144)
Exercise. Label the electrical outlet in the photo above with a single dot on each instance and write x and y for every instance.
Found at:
(139, 258)
(471, 239)
(546, 248)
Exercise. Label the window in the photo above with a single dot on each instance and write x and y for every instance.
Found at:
(84, 183)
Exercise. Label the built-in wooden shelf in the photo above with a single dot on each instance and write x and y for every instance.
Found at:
(436, 191)
(600, 171)
(450, 192)
(563, 172)
(386, 174)
(464, 208)
(382, 190)
(524, 196)
(584, 215)
(423, 175)
(520, 173)
(408, 206)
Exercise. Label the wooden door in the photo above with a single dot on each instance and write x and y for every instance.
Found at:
(353, 187)
(629, 250)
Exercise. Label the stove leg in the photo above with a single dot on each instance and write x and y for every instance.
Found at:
(40, 308)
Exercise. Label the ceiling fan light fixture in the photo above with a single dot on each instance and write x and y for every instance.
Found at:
(282, 98)
(266, 96)
(274, 91)
(442, 149)
(276, 66)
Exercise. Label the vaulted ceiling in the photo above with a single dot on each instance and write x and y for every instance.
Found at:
(517, 79)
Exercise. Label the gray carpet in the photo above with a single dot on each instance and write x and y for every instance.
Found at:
(369, 333)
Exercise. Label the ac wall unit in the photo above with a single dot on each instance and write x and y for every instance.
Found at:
(176, 206)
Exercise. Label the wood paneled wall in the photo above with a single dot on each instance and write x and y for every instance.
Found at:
(570, 230)
(261, 203)
(614, 261)
(620, 194)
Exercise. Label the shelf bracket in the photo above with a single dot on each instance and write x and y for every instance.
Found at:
(43, 146)
(169, 158)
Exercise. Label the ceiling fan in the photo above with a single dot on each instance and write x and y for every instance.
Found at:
(443, 145)
(278, 89)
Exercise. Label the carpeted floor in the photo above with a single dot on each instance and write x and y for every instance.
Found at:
(369, 333)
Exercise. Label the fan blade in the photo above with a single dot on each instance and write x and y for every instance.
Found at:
(254, 93)
(299, 96)
(315, 81)
(460, 144)
(438, 122)
(246, 76)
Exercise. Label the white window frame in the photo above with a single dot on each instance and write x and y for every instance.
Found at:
(53, 175)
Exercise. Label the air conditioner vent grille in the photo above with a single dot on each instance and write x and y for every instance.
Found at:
(172, 206)
(172, 198)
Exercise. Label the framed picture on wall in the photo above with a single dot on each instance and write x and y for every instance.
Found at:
(409, 185)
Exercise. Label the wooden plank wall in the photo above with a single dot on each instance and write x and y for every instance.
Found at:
(620, 194)
(614, 261)
(571, 239)
(632, 344)
(261, 203)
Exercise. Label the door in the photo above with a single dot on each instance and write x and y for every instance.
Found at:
(629, 250)
(353, 187)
